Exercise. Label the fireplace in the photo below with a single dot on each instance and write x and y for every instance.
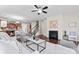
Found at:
(53, 36)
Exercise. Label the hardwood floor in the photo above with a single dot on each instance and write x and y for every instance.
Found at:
(53, 41)
(47, 39)
(43, 37)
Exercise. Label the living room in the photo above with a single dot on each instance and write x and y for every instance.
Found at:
(52, 27)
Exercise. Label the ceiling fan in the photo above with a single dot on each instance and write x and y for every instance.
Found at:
(40, 9)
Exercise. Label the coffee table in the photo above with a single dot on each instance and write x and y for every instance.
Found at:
(37, 42)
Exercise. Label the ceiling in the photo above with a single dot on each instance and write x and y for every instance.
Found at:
(23, 12)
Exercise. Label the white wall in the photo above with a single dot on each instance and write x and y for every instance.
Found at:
(71, 23)
(43, 27)
(63, 24)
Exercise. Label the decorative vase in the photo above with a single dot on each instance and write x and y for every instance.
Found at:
(65, 36)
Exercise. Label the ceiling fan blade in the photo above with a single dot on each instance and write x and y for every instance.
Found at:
(34, 10)
(36, 6)
(44, 12)
(45, 7)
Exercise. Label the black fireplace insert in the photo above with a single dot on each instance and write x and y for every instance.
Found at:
(53, 35)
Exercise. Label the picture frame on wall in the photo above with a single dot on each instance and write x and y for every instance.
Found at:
(53, 24)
